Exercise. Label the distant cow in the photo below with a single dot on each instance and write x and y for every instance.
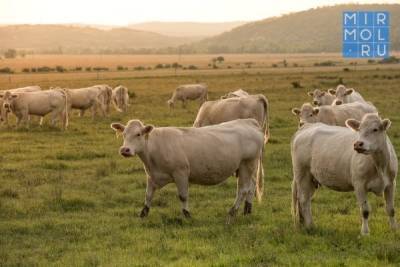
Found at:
(120, 98)
(189, 92)
(252, 106)
(38, 103)
(107, 92)
(205, 156)
(237, 93)
(321, 98)
(4, 112)
(86, 98)
(332, 115)
(360, 159)
(345, 95)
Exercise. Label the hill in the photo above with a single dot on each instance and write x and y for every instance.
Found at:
(187, 29)
(75, 39)
(314, 30)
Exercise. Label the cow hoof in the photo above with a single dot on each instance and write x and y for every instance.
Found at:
(186, 214)
(247, 208)
(144, 212)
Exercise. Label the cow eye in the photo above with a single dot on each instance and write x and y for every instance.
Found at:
(310, 115)
(138, 134)
(375, 130)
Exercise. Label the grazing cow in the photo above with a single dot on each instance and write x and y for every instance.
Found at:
(332, 115)
(321, 98)
(345, 95)
(85, 98)
(360, 159)
(237, 93)
(252, 106)
(4, 112)
(205, 156)
(38, 103)
(107, 92)
(120, 98)
(189, 92)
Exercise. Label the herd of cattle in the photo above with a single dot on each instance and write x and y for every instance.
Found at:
(341, 143)
(58, 102)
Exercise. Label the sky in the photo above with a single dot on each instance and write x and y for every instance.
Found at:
(123, 12)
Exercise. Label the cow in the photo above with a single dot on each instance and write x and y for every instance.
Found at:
(345, 95)
(40, 103)
(205, 156)
(120, 98)
(189, 92)
(332, 115)
(4, 112)
(107, 92)
(359, 158)
(321, 98)
(217, 111)
(86, 98)
(237, 93)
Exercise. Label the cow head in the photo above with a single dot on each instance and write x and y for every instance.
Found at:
(135, 135)
(170, 103)
(341, 92)
(371, 133)
(8, 99)
(317, 96)
(307, 114)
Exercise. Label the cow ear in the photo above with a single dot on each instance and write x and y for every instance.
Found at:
(14, 96)
(147, 129)
(353, 124)
(386, 124)
(118, 127)
(315, 111)
(332, 91)
(323, 93)
(310, 93)
(296, 111)
(349, 91)
(1, 95)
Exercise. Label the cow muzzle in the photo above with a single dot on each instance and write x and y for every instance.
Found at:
(338, 102)
(126, 152)
(359, 147)
(316, 103)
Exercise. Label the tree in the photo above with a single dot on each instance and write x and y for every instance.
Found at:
(10, 53)
(220, 59)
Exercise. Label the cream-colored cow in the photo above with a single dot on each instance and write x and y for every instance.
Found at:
(345, 95)
(321, 98)
(237, 93)
(205, 156)
(360, 159)
(87, 98)
(120, 98)
(189, 92)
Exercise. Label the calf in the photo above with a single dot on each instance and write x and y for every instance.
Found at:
(360, 159)
(189, 92)
(205, 156)
(332, 115)
(321, 98)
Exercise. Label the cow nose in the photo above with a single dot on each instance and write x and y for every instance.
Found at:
(6, 105)
(338, 102)
(316, 103)
(301, 123)
(125, 151)
(358, 144)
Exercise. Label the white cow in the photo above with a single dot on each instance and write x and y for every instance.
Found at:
(321, 98)
(345, 95)
(237, 93)
(360, 159)
(86, 98)
(189, 92)
(332, 115)
(38, 103)
(107, 95)
(205, 156)
(120, 98)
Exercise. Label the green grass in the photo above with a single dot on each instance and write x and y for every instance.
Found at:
(68, 198)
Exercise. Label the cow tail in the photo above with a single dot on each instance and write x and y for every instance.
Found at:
(295, 202)
(115, 99)
(265, 102)
(260, 177)
(65, 112)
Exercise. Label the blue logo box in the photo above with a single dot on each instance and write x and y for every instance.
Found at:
(366, 34)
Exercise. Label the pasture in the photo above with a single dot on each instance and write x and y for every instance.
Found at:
(68, 198)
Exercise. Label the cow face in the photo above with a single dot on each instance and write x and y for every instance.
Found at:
(170, 103)
(7, 99)
(318, 97)
(341, 93)
(307, 114)
(371, 133)
(135, 136)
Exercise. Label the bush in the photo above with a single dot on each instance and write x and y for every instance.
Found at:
(88, 68)
(33, 70)
(327, 63)
(6, 70)
(390, 60)
(100, 69)
(371, 61)
(192, 67)
(26, 70)
(10, 53)
(60, 69)
(45, 69)
(159, 66)
(139, 68)
(346, 69)
(296, 84)
(274, 65)
(78, 68)
(119, 68)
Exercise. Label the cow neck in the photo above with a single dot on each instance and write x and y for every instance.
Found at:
(382, 158)
(145, 155)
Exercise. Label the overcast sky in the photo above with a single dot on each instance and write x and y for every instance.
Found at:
(122, 12)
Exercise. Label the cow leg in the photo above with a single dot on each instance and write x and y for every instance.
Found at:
(41, 121)
(389, 199)
(304, 189)
(150, 189)
(182, 184)
(81, 112)
(244, 186)
(54, 115)
(362, 200)
(184, 103)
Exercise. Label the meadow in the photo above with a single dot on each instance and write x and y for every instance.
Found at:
(69, 199)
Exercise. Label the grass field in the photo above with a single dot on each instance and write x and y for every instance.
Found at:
(68, 198)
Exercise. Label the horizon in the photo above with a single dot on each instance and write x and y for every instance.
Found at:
(45, 12)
